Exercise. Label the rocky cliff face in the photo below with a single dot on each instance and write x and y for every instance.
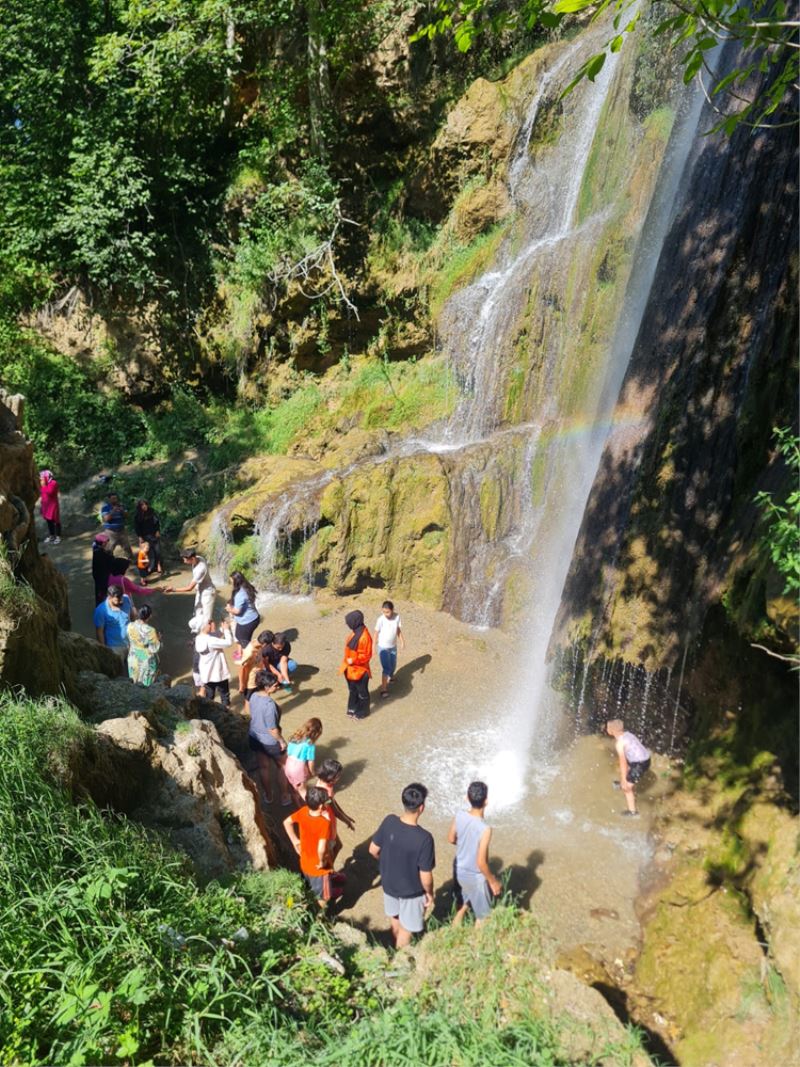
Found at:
(670, 522)
(527, 312)
(667, 585)
(34, 613)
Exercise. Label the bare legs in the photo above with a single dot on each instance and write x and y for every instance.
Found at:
(402, 937)
(265, 765)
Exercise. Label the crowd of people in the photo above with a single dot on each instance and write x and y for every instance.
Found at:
(286, 768)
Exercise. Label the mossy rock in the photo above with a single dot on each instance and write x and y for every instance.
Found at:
(386, 526)
(702, 972)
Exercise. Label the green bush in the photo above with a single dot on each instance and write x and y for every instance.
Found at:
(109, 951)
(71, 422)
(782, 539)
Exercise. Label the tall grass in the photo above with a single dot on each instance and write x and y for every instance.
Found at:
(109, 952)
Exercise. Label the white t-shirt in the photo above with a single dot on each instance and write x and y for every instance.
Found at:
(201, 577)
(386, 629)
(213, 666)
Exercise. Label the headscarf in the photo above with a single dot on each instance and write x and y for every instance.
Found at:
(355, 620)
(48, 475)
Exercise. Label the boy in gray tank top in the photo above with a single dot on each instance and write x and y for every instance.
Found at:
(471, 836)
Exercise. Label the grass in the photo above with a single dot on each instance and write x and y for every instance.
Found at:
(16, 596)
(460, 263)
(109, 952)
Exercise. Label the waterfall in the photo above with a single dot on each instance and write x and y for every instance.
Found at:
(519, 738)
(527, 315)
(545, 193)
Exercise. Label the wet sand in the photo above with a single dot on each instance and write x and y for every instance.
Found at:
(571, 858)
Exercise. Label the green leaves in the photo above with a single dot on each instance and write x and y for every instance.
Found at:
(782, 539)
(767, 35)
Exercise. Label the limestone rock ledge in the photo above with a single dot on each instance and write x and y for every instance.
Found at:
(33, 595)
(187, 784)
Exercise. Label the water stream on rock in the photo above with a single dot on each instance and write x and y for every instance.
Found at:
(513, 743)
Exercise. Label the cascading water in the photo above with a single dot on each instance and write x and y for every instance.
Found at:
(545, 193)
(520, 737)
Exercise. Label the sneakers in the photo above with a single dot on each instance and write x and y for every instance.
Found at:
(56, 541)
(48, 540)
(629, 814)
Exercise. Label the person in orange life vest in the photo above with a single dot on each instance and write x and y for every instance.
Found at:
(143, 559)
(355, 665)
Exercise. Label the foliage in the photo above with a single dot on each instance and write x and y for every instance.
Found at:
(109, 952)
(767, 30)
(16, 595)
(782, 539)
(71, 422)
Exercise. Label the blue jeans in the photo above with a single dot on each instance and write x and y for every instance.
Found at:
(388, 657)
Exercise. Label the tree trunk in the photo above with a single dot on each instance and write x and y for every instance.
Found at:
(319, 87)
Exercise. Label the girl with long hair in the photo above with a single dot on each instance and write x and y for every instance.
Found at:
(300, 754)
(242, 609)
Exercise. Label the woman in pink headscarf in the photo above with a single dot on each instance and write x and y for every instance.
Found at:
(51, 510)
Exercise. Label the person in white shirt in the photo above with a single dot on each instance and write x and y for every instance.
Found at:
(387, 635)
(203, 586)
(213, 672)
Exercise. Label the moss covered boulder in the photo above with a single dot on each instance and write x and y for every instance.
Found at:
(385, 525)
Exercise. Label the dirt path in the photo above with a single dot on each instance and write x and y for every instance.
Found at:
(571, 858)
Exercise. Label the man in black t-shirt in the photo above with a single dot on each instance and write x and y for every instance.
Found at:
(407, 857)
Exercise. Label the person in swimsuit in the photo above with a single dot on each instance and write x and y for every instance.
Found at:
(634, 760)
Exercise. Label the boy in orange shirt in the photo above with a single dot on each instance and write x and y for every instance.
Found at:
(316, 824)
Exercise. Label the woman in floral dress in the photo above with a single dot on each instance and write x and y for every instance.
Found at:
(144, 644)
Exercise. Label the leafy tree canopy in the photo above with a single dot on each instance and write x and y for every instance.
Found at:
(766, 29)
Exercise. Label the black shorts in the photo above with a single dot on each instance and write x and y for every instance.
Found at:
(223, 688)
(636, 770)
(256, 745)
(244, 631)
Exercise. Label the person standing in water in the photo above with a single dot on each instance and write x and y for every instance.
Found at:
(112, 516)
(101, 567)
(147, 524)
(355, 665)
(51, 508)
(387, 635)
(144, 643)
(242, 609)
(634, 760)
(471, 836)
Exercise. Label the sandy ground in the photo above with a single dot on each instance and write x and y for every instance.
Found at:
(569, 855)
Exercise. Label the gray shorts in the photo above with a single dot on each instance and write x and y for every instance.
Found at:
(476, 893)
(410, 911)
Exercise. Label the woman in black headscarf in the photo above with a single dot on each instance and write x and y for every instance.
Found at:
(355, 665)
